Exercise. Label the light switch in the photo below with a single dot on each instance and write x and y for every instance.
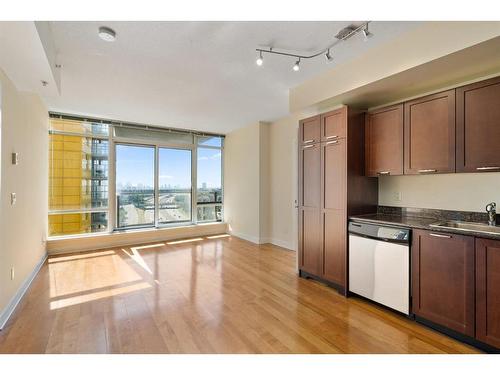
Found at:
(15, 158)
(13, 199)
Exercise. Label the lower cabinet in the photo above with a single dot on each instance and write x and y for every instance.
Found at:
(334, 246)
(456, 283)
(443, 279)
(310, 240)
(488, 291)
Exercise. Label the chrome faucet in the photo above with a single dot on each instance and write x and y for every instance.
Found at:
(491, 209)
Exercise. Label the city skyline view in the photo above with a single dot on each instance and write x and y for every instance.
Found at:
(135, 168)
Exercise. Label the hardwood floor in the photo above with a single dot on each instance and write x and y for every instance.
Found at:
(206, 295)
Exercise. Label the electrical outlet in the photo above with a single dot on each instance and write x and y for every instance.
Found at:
(15, 158)
(397, 196)
(13, 199)
(12, 273)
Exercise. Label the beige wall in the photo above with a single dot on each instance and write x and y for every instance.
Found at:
(23, 227)
(247, 176)
(460, 191)
(242, 182)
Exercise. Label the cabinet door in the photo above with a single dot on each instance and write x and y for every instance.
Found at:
(384, 141)
(309, 130)
(310, 240)
(333, 209)
(443, 279)
(309, 175)
(309, 208)
(488, 291)
(333, 174)
(334, 124)
(478, 127)
(334, 246)
(430, 134)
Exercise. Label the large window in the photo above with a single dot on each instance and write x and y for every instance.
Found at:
(78, 177)
(209, 186)
(174, 178)
(135, 193)
(153, 176)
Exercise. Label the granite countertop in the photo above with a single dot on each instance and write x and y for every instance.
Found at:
(401, 218)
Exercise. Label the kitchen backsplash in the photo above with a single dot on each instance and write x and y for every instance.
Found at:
(458, 191)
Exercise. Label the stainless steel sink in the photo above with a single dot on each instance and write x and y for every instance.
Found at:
(468, 226)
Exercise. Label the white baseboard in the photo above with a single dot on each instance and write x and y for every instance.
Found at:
(11, 306)
(286, 244)
(256, 240)
(246, 237)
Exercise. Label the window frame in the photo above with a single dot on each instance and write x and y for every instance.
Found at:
(221, 148)
(113, 141)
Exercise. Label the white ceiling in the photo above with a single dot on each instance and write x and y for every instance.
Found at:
(196, 75)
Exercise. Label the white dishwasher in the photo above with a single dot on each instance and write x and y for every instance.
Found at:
(379, 264)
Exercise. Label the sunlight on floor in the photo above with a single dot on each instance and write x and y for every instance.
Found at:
(83, 273)
(136, 256)
(147, 246)
(218, 236)
(185, 241)
(80, 256)
(111, 292)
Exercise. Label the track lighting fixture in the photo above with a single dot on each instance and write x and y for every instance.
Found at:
(259, 60)
(328, 57)
(366, 33)
(344, 34)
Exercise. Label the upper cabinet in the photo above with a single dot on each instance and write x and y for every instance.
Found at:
(309, 130)
(333, 125)
(430, 134)
(384, 141)
(453, 131)
(478, 126)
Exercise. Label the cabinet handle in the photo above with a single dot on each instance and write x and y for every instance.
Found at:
(427, 170)
(331, 143)
(487, 168)
(332, 136)
(439, 235)
(309, 141)
(384, 173)
(308, 146)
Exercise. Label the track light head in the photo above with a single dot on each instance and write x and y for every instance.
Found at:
(328, 56)
(260, 59)
(366, 33)
(296, 66)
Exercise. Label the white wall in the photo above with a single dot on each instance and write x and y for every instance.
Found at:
(459, 191)
(23, 227)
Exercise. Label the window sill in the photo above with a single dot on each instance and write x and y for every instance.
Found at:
(76, 243)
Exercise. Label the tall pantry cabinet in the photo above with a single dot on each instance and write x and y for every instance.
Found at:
(332, 186)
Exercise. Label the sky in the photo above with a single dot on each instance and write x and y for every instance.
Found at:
(135, 165)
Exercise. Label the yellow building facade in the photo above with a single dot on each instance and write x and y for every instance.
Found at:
(70, 177)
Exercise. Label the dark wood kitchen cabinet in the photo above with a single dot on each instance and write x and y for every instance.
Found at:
(333, 205)
(429, 132)
(384, 141)
(478, 126)
(310, 240)
(332, 185)
(309, 208)
(333, 125)
(488, 291)
(443, 279)
(310, 130)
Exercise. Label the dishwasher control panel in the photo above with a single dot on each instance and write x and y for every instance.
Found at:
(381, 233)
